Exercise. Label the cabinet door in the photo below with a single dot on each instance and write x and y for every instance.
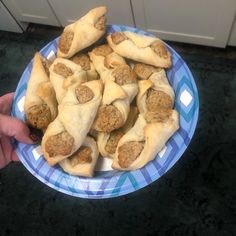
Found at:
(205, 22)
(8, 23)
(119, 12)
(35, 11)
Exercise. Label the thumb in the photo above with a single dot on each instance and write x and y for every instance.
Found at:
(12, 127)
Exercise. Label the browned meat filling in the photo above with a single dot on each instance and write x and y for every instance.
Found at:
(101, 23)
(128, 153)
(65, 41)
(157, 99)
(102, 50)
(82, 156)
(113, 140)
(160, 115)
(159, 48)
(84, 94)
(39, 116)
(59, 144)
(46, 64)
(62, 69)
(82, 60)
(118, 37)
(124, 75)
(144, 71)
(108, 119)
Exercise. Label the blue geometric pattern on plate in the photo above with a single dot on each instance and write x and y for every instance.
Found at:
(107, 184)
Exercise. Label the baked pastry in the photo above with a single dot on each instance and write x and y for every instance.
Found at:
(83, 33)
(85, 63)
(107, 142)
(104, 58)
(144, 71)
(148, 136)
(155, 93)
(120, 88)
(83, 161)
(40, 100)
(63, 74)
(141, 48)
(76, 113)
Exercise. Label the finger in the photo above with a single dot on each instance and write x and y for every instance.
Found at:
(5, 151)
(13, 127)
(6, 102)
(14, 156)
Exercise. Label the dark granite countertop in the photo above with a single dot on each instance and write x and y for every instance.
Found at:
(196, 197)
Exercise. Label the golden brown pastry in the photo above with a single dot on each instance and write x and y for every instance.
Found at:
(85, 63)
(144, 71)
(141, 48)
(63, 74)
(76, 113)
(120, 88)
(107, 142)
(104, 58)
(40, 101)
(155, 93)
(83, 161)
(148, 136)
(83, 33)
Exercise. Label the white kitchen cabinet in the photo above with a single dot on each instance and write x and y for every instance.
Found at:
(7, 22)
(205, 22)
(32, 11)
(119, 12)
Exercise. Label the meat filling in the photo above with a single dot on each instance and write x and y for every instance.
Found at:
(157, 99)
(124, 75)
(159, 48)
(62, 69)
(102, 50)
(144, 71)
(65, 41)
(128, 153)
(101, 23)
(160, 115)
(82, 156)
(113, 140)
(84, 94)
(108, 119)
(82, 60)
(39, 116)
(118, 37)
(59, 144)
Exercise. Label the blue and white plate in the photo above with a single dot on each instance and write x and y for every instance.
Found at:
(109, 183)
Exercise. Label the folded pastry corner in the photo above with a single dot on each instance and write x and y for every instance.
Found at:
(84, 61)
(83, 161)
(63, 74)
(142, 143)
(155, 93)
(107, 142)
(120, 88)
(104, 58)
(144, 71)
(82, 33)
(141, 48)
(76, 113)
(40, 100)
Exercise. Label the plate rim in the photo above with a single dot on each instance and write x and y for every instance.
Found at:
(143, 183)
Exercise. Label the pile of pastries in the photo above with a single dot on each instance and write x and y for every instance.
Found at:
(113, 98)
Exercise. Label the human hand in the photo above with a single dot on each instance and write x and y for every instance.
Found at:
(11, 127)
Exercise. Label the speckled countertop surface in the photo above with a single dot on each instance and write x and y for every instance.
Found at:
(196, 197)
